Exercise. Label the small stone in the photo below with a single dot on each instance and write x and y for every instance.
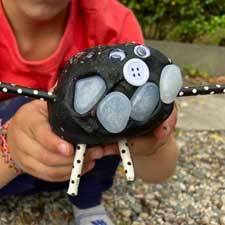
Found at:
(222, 220)
(170, 83)
(205, 220)
(126, 212)
(183, 187)
(191, 188)
(88, 92)
(144, 216)
(144, 101)
(170, 217)
(114, 112)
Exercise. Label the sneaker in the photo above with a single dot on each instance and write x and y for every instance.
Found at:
(92, 216)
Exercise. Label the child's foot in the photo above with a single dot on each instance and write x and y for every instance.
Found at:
(91, 216)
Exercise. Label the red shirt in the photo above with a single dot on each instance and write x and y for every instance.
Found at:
(90, 23)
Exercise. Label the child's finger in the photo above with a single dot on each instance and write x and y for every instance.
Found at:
(32, 119)
(164, 130)
(39, 170)
(94, 153)
(88, 167)
(29, 147)
(112, 149)
(43, 134)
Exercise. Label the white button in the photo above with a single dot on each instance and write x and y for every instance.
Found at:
(142, 51)
(136, 72)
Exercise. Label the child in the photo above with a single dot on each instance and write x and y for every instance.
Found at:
(37, 37)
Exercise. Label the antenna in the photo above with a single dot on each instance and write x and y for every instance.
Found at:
(202, 90)
(27, 92)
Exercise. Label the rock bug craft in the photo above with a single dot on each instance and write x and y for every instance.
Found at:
(108, 94)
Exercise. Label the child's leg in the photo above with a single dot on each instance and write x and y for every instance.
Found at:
(95, 182)
(92, 184)
(9, 107)
(25, 184)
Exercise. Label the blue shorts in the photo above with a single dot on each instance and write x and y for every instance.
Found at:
(92, 184)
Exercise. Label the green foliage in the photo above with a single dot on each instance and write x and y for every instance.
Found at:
(181, 20)
(195, 72)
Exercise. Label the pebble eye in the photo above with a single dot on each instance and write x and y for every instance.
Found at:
(88, 91)
(117, 54)
(142, 51)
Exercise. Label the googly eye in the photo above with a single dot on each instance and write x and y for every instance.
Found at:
(142, 51)
(117, 54)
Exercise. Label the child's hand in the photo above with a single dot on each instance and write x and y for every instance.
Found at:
(40, 152)
(154, 155)
(150, 143)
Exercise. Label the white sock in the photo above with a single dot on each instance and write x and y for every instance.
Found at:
(92, 216)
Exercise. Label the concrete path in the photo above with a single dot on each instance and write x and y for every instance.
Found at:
(201, 112)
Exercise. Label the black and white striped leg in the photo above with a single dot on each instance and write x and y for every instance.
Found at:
(77, 169)
(126, 159)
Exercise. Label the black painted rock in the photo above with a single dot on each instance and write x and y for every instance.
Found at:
(108, 93)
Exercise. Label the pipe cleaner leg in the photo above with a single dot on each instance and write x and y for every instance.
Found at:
(126, 159)
(77, 168)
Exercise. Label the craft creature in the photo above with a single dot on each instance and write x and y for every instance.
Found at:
(107, 94)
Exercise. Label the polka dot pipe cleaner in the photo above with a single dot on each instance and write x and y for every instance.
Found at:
(27, 92)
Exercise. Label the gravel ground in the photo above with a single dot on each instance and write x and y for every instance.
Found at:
(194, 195)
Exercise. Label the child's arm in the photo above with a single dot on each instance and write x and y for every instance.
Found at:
(155, 155)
